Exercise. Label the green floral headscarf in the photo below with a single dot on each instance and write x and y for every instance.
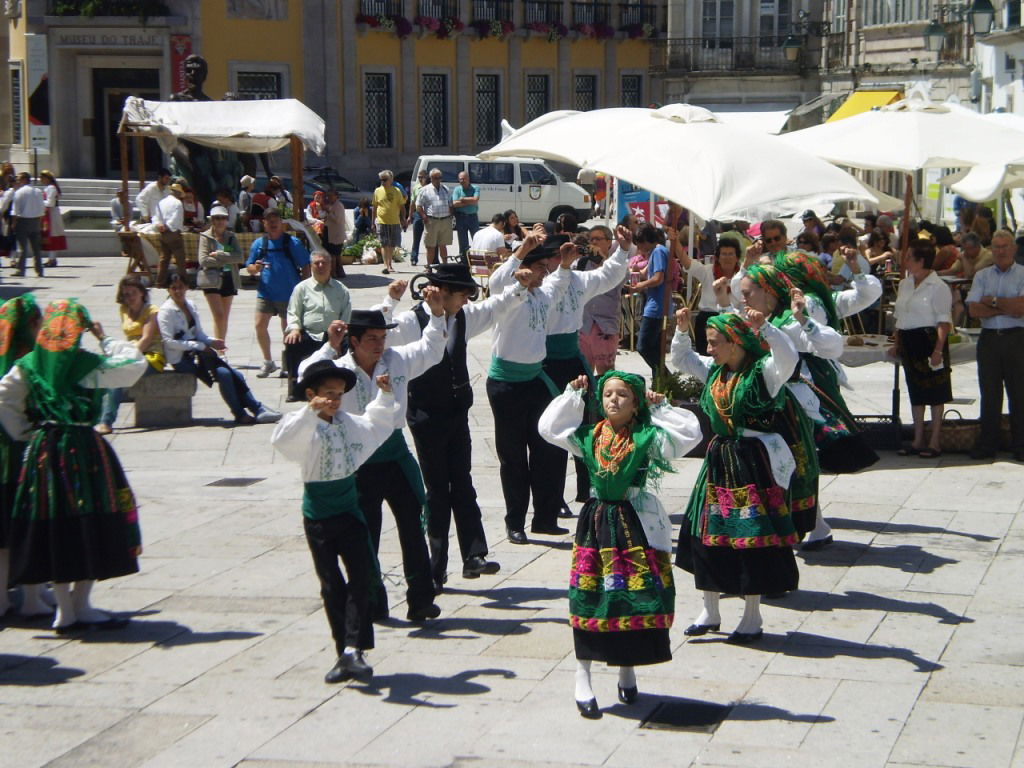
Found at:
(56, 364)
(808, 274)
(772, 281)
(16, 336)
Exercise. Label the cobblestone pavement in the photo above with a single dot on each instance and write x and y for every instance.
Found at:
(902, 647)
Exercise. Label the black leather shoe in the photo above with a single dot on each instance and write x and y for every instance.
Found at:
(553, 530)
(696, 630)
(588, 709)
(439, 582)
(565, 512)
(423, 612)
(516, 536)
(980, 454)
(354, 666)
(338, 673)
(814, 546)
(477, 565)
(628, 695)
(745, 638)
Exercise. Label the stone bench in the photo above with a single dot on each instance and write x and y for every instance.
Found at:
(164, 400)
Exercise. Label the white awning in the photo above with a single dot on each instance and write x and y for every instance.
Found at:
(240, 126)
(763, 118)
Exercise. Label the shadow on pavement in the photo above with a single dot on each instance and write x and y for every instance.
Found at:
(809, 600)
(405, 687)
(875, 526)
(440, 628)
(740, 710)
(361, 280)
(162, 634)
(908, 558)
(34, 670)
(14, 291)
(514, 598)
(225, 423)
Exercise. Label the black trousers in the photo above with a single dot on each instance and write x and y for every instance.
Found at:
(561, 372)
(1001, 365)
(295, 353)
(444, 448)
(528, 463)
(382, 482)
(347, 605)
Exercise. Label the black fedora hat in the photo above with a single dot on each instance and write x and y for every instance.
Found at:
(369, 318)
(545, 250)
(317, 372)
(453, 274)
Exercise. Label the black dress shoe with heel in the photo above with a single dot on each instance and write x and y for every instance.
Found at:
(517, 536)
(588, 709)
(423, 612)
(477, 565)
(628, 695)
(744, 638)
(549, 530)
(696, 630)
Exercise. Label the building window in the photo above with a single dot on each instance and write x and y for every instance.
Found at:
(17, 123)
(1010, 64)
(586, 92)
(538, 99)
(775, 22)
(258, 85)
(435, 110)
(632, 90)
(717, 23)
(896, 11)
(377, 109)
(488, 110)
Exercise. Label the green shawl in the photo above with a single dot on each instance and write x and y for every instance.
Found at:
(643, 465)
(56, 364)
(16, 337)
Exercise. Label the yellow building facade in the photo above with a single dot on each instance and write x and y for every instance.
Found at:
(392, 78)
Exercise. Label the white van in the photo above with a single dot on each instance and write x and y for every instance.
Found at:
(525, 185)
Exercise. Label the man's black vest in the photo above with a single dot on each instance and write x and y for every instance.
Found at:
(443, 389)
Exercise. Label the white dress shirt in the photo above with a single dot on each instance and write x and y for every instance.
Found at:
(924, 305)
(171, 213)
(147, 199)
(403, 363)
(992, 281)
(335, 449)
(488, 239)
(28, 202)
(705, 275)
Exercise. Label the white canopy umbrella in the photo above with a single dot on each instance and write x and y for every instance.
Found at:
(908, 136)
(686, 155)
(985, 181)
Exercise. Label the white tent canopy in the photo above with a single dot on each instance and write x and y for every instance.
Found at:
(911, 135)
(687, 155)
(240, 126)
(985, 181)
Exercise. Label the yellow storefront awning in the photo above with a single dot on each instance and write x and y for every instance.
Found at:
(862, 101)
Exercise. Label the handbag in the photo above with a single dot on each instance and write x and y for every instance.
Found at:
(209, 278)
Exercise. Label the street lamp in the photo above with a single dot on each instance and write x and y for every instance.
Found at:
(792, 46)
(934, 36)
(979, 14)
(982, 14)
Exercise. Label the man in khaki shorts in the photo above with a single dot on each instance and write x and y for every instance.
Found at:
(434, 204)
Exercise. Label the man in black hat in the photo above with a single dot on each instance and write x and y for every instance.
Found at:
(519, 390)
(329, 445)
(391, 473)
(439, 402)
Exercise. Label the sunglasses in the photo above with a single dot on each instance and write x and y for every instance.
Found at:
(773, 239)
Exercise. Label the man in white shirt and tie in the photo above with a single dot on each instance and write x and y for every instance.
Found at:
(169, 217)
(27, 213)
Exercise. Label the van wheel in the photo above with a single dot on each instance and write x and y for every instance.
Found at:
(556, 212)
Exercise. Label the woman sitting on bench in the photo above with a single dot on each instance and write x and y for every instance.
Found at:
(138, 321)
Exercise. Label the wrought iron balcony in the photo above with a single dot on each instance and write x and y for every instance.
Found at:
(492, 10)
(592, 13)
(722, 54)
(382, 7)
(542, 11)
(438, 9)
(637, 14)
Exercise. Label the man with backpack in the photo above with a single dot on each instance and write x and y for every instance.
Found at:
(281, 261)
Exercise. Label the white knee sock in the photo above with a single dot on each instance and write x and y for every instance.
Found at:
(584, 691)
(751, 621)
(627, 677)
(822, 530)
(710, 614)
(32, 603)
(83, 608)
(65, 607)
(5, 559)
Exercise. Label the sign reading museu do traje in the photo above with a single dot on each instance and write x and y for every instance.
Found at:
(99, 37)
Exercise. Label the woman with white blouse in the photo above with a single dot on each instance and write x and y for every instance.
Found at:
(53, 227)
(923, 322)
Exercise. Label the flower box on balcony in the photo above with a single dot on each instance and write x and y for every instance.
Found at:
(399, 25)
(553, 32)
(442, 28)
(496, 28)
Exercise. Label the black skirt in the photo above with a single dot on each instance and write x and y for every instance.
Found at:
(925, 386)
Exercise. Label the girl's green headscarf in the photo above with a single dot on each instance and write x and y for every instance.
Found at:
(772, 281)
(808, 274)
(16, 326)
(750, 396)
(56, 364)
(644, 465)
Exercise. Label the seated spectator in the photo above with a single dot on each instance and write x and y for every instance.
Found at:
(812, 223)
(827, 248)
(808, 242)
(189, 350)
(363, 220)
(138, 321)
(491, 238)
(946, 253)
(514, 231)
(877, 251)
(195, 214)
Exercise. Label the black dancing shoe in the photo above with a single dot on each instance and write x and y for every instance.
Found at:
(549, 530)
(628, 695)
(744, 638)
(588, 709)
(423, 612)
(439, 582)
(477, 565)
(696, 630)
(516, 536)
(350, 666)
(338, 673)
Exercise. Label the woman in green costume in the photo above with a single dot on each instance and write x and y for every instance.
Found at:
(621, 595)
(74, 519)
(738, 534)
(19, 324)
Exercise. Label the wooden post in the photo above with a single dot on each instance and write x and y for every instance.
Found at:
(126, 210)
(140, 159)
(298, 196)
(908, 201)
